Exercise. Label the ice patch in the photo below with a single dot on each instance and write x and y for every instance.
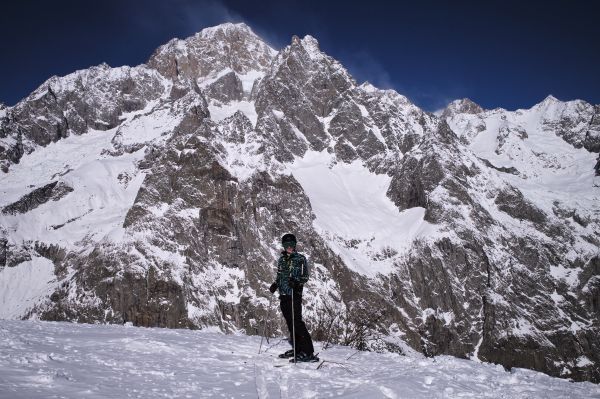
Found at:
(556, 297)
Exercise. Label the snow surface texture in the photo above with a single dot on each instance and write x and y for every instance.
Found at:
(47, 359)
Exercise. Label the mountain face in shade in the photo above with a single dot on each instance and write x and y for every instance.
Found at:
(157, 195)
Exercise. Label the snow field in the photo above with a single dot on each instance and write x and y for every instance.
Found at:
(49, 359)
(222, 111)
(104, 186)
(104, 190)
(351, 206)
(23, 286)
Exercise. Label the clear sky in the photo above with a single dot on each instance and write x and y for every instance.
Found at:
(508, 54)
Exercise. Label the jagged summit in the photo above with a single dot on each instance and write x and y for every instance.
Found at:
(312, 46)
(550, 99)
(462, 106)
(212, 50)
(227, 28)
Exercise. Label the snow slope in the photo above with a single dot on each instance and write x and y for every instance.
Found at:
(22, 286)
(43, 359)
(351, 206)
(104, 189)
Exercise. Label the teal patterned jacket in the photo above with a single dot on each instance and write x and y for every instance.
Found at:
(292, 265)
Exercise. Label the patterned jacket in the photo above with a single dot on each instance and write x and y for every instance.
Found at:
(294, 266)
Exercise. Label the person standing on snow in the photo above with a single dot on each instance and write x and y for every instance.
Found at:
(292, 274)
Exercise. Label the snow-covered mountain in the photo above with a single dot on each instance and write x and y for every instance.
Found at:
(157, 194)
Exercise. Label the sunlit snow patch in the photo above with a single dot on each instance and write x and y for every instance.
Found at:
(220, 112)
(354, 213)
(104, 188)
(23, 286)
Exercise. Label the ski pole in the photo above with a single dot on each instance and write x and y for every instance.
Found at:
(293, 327)
(265, 325)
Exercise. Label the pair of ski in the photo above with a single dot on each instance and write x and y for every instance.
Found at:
(299, 358)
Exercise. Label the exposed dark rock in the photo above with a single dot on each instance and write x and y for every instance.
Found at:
(227, 88)
(418, 175)
(512, 170)
(590, 283)
(147, 300)
(90, 99)
(16, 255)
(235, 127)
(348, 125)
(511, 201)
(304, 87)
(52, 191)
(52, 252)
(571, 117)
(408, 188)
(592, 136)
(3, 250)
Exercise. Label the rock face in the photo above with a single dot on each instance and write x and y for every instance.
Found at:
(37, 197)
(159, 194)
(463, 106)
(86, 100)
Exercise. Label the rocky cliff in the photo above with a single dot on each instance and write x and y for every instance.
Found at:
(157, 195)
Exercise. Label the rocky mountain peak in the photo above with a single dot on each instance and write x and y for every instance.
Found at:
(576, 121)
(462, 106)
(312, 46)
(550, 105)
(225, 30)
(550, 99)
(226, 46)
(307, 46)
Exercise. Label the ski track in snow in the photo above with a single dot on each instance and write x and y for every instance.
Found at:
(50, 359)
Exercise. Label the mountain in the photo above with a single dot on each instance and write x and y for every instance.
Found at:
(157, 195)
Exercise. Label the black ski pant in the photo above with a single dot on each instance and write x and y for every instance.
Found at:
(303, 340)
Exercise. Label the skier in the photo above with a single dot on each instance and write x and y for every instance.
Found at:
(292, 273)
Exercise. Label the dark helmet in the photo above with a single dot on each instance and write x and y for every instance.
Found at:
(288, 239)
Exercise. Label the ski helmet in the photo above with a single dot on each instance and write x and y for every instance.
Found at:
(288, 239)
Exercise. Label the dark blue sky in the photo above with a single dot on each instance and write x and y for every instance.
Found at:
(508, 54)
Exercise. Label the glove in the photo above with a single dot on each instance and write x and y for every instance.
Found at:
(273, 287)
(293, 283)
